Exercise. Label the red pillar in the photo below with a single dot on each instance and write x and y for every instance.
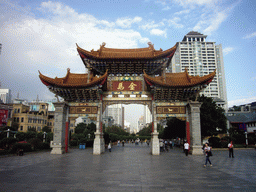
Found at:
(66, 138)
(188, 132)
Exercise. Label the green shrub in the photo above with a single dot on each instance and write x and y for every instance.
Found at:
(27, 147)
(36, 143)
(73, 143)
(214, 142)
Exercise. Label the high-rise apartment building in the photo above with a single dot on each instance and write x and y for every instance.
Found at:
(115, 111)
(5, 96)
(201, 58)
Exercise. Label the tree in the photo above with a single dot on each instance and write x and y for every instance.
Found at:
(213, 119)
(80, 128)
(116, 130)
(146, 131)
(46, 129)
(175, 128)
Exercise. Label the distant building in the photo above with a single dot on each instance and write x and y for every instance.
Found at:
(5, 96)
(34, 116)
(115, 111)
(147, 115)
(243, 117)
(202, 58)
(108, 121)
(85, 120)
(141, 124)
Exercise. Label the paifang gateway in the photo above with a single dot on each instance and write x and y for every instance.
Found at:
(128, 76)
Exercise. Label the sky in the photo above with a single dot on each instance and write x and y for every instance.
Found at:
(42, 35)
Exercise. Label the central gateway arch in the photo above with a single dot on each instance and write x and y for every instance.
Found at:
(126, 76)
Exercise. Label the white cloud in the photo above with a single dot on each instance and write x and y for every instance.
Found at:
(250, 36)
(186, 11)
(192, 3)
(215, 22)
(174, 22)
(127, 22)
(158, 32)
(241, 101)
(166, 8)
(31, 44)
(228, 50)
(151, 25)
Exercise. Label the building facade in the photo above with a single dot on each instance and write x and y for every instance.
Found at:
(115, 111)
(201, 58)
(34, 116)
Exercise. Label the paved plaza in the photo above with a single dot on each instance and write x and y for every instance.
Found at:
(129, 168)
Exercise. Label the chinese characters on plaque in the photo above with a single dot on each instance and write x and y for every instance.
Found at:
(126, 86)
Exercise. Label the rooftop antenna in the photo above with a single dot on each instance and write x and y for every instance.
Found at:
(37, 99)
(18, 95)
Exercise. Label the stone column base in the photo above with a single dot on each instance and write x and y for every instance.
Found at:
(58, 150)
(155, 144)
(196, 150)
(98, 144)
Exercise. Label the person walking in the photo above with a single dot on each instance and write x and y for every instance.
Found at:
(231, 150)
(109, 147)
(208, 153)
(186, 147)
(123, 143)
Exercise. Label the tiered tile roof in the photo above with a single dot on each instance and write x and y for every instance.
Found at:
(73, 80)
(180, 79)
(138, 53)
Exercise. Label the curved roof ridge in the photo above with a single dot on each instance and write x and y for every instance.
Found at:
(72, 80)
(180, 79)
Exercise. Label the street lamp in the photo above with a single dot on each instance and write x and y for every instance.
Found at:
(246, 139)
(44, 136)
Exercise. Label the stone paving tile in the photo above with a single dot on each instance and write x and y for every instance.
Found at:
(129, 168)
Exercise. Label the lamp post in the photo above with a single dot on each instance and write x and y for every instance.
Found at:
(246, 139)
(44, 136)
(8, 133)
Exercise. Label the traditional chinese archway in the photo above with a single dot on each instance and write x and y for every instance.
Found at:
(126, 76)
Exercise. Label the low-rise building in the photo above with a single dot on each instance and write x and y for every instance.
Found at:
(32, 116)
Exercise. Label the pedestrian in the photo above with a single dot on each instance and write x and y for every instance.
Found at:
(161, 144)
(186, 147)
(109, 147)
(231, 150)
(208, 153)
(118, 143)
(166, 145)
(123, 143)
(170, 144)
(148, 142)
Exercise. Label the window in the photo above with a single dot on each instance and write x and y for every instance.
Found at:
(21, 128)
(18, 110)
(14, 119)
(22, 119)
(38, 128)
(18, 119)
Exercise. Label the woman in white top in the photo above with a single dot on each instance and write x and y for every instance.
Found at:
(207, 151)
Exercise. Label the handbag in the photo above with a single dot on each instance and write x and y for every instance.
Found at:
(210, 153)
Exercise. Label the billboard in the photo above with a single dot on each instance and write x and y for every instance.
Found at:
(3, 117)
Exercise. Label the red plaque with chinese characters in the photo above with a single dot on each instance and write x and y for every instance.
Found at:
(126, 86)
